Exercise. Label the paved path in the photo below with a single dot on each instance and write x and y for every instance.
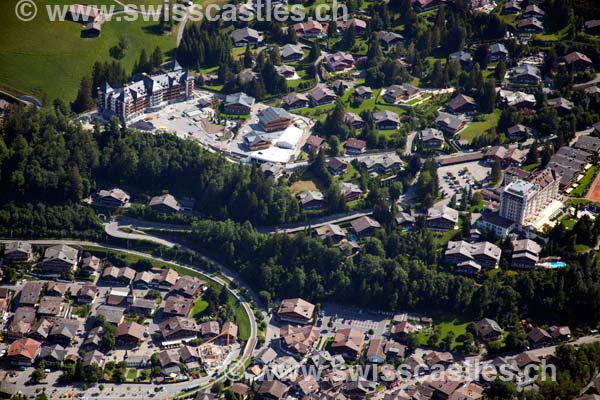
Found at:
(409, 143)
(314, 223)
(174, 388)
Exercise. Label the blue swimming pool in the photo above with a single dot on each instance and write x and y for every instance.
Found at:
(557, 264)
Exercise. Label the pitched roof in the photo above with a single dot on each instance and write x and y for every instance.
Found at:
(297, 306)
(348, 337)
(239, 98)
(131, 329)
(27, 348)
(363, 223)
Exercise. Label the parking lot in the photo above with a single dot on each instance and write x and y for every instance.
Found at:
(453, 178)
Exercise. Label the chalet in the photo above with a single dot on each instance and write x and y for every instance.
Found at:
(246, 37)
(517, 132)
(113, 198)
(130, 333)
(143, 279)
(177, 306)
(432, 138)
(592, 26)
(523, 102)
(165, 204)
(450, 123)
(21, 323)
(488, 330)
(355, 146)
(63, 332)
(51, 307)
(559, 333)
(339, 62)
(442, 218)
(530, 25)
(389, 39)
(257, 141)
(314, 143)
(144, 307)
(189, 286)
(426, 5)
(354, 120)
(561, 104)
(538, 337)
(577, 61)
(526, 254)
(92, 358)
(364, 226)
(90, 265)
(179, 328)
(229, 331)
(311, 200)
(336, 166)
(363, 92)
(485, 254)
(405, 219)
(23, 352)
(307, 386)
(296, 310)
(286, 71)
(17, 252)
(340, 86)
(31, 292)
(272, 170)
(238, 104)
(386, 120)
(438, 358)
(321, 95)
(309, 29)
(41, 330)
(465, 59)
(512, 7)
(382, 163)
(498, 52)
(400, 93)
(462, 104)
(293, 101)
(359, 25)
(273, 390)
(209, 329)
(299, 339)
(590, 144)
(291, 52)
(533, 11)
(348, 342)
(87, 293)
(330, 231)
(113, 315)
(350, 191)
(274, 119)
(506, 157)
(52, 355)
(59, 259)
(118, 276)
(375, 351)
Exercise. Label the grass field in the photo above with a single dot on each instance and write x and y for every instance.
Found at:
(455, 326)
(51, 57)
(585, 183)
(199, 306)
(479, 128)
(302, 186)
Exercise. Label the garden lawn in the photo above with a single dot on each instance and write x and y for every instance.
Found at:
(585, 182)
(476, 129)
(455, 326)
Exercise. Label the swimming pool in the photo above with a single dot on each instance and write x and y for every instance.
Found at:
(557, 264)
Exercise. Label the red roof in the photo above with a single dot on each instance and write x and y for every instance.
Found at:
(28, 348)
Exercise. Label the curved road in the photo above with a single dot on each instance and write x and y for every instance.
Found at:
(173, 388)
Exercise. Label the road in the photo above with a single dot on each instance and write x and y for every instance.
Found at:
(409, 143)
(300, 226)
(174, 388)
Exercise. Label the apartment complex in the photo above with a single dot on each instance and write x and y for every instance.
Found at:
(130, 101)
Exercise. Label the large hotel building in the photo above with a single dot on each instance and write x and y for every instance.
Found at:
(149, 93)
(522, 200)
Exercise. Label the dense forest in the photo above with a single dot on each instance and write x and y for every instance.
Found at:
(44, 156)
(399, 271)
